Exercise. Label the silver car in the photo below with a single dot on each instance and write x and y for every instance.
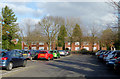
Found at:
(111, 55)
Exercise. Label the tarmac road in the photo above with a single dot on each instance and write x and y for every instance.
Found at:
(83, 66)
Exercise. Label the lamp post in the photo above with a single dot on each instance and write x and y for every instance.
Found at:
(50, 39)
(1, 30)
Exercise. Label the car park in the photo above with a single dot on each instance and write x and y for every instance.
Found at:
(11, 59)
(45, 54)
(55, 53)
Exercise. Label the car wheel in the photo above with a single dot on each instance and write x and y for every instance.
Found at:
(48, 59)
(24, 63)
(10, 66)
(59, 56)
(53, 58)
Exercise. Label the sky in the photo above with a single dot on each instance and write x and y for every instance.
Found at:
(90, 11)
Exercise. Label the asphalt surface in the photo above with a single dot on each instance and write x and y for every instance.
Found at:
(70, 66)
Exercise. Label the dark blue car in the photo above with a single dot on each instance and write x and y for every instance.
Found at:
(11, 59)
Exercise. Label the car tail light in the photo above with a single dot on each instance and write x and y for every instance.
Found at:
(118, 61)
(98, 55)
(4, 58)
(115, 57)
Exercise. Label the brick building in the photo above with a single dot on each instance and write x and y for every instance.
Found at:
(38, 46)
(75, 46)
(84, 45)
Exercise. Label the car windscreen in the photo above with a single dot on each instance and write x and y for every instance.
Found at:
(25, 52)
(42, 52)
(51, 51)
(61, 51)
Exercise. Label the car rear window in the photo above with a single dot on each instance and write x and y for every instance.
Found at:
(42, 52)
(55, 51)
(3, 54)
(51, 51)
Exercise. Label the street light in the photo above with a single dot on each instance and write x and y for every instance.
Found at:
(1, 29)
(50, 38)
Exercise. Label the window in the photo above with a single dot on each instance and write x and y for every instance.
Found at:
(17, 54)
(94, 48)
(85, 43)
(68, 43)
(13, 54)
(77, 43)
(41, 43)
(77, 48)
(26, 48)
(33, 43)
(41, 48)
(69, 48)
(87, 48)
(25, 43)
(95, 43)
(34, 48)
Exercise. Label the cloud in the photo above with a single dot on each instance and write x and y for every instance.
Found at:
(57, 0)
(21, 9)
(87, 11)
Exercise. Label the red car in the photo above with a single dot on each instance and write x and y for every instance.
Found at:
(44, 54)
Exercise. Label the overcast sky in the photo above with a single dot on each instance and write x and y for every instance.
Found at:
(97, 12)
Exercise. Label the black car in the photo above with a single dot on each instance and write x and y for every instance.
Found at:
(12, 59)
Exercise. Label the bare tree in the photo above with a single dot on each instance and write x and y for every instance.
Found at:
(93, 34)
(50, 27)
(70, 25)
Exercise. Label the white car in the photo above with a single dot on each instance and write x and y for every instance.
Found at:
(62, 52)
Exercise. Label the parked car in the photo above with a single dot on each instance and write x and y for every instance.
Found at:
(117, 64)
(44, 54)
(36, 54)
(26, 54)
(55, 53)
(12, 59)
(32, 53)
(62, 52)
(100, 53)
(111, 55)
(68, 52)
(106, 54)
(112, 60)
